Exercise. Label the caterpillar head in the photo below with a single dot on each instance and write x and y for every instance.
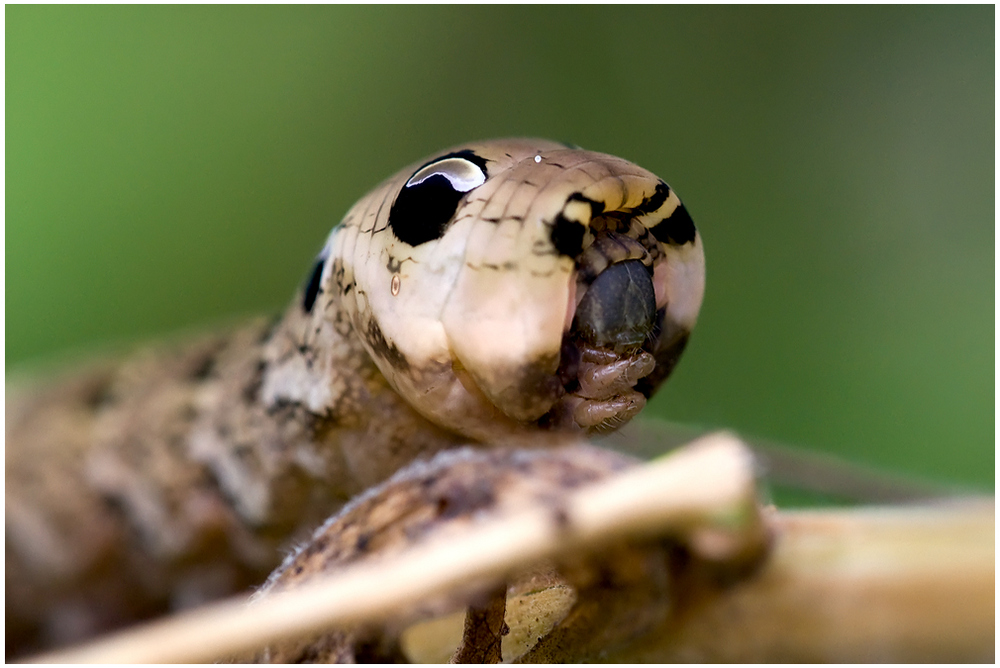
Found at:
(518, 284)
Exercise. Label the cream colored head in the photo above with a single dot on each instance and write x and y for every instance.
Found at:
(464, 274)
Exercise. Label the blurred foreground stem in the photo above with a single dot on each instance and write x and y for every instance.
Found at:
(899, 584)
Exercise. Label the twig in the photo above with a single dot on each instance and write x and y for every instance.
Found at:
(484, 629)
(863, 585)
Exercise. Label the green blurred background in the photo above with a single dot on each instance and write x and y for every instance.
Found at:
(170, 166)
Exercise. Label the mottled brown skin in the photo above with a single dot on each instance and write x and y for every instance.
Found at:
(163, 481)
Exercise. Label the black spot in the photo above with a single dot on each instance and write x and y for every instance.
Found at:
(464, 499)
(252, 388)
(312, 287)
(567, 236)
(115, 505)
(678, 229)
(387, 351)
(100, 394)
(656, 200)
(393, 266)
(203, 369)
(596, 208)
(361, 545)
(569, 365)
(421, 212)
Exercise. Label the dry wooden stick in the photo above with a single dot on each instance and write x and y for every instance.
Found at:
(483, 630)
(900, 584)
(708, 483)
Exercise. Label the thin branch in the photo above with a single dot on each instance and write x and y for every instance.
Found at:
(484, 629)
(891, 584)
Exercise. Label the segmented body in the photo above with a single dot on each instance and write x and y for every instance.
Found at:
(499, 292)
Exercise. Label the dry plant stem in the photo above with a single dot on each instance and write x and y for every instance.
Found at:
(484, 629)
(903, 584)
(691, 488)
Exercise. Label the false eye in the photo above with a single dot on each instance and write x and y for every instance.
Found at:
(677, 228)
(312, 285)
(428, 201)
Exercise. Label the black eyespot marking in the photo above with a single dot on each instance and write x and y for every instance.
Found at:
(656, 200)
(567, 236)
(387, 351)
(420, 214)
(427, 203)
(312, 287)
(678, 229)
(596, 208)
